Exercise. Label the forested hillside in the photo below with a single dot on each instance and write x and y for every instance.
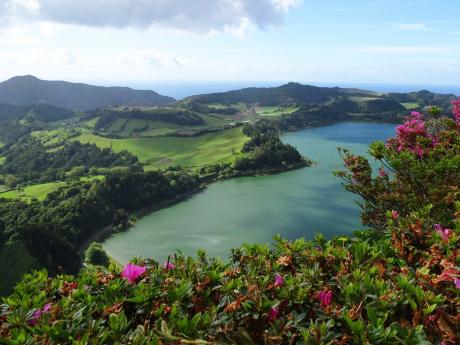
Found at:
(29, 90)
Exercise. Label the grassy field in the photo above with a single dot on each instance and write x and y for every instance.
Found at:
(39, 191)
(91, 123)
(240, 106)
(162, 152)
(23, 263)
(410, 105)
(128, 127)
(275, 111)
(52, 137)
(361, 99)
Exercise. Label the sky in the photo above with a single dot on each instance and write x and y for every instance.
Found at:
(126, 42)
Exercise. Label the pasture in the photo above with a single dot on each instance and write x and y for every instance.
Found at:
(161, 152)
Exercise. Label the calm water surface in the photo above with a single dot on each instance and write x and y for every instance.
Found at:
(254, 209)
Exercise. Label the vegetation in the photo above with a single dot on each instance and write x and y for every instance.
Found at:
(16, 260)
(398, 283)
(96, 255)
(26, 90)
(266, 150)
(304, 105)
(40, 191)
(107, 117)
(29, 161)
(54, 229)
(161, 152)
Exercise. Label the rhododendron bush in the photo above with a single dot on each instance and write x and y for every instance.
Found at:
(396, 284)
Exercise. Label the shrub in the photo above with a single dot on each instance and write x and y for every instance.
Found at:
(96, 255)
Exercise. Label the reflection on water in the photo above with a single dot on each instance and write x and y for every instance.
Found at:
(254, 209)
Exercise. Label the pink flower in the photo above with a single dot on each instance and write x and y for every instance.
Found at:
(131, 272)
(408, 134)
(47, 308)
(394, 214)
(456, 109)
(37, 315)
(382, 172)
(273, 314)
(444, 233)
(457, 283)
(325, 297)
(279, 281)
(448, 275)
(168, 266)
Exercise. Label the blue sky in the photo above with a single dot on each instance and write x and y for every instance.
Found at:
(153, 41)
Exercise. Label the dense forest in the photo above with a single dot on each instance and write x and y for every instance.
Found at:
(29, 161)
(54, 229)
(265, 150)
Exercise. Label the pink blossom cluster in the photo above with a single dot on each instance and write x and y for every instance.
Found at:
(456, 109)
(409, 132)
(325, 297)
(36, 316)
(444, 233)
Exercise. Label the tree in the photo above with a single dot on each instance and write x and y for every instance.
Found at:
(96, 255)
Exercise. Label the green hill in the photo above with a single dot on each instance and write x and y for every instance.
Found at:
(28, 90)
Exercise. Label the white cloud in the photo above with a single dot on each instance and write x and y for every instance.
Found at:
(412, 26)
(201, 16)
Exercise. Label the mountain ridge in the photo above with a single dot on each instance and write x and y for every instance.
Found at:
(29, 90)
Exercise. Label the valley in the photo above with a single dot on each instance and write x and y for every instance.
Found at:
(51, 155)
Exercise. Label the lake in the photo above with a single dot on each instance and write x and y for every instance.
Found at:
(253, 209)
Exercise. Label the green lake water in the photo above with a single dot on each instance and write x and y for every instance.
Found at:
(254, 209)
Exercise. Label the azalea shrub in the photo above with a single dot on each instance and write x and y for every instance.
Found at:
(396, 284)
(419, 166)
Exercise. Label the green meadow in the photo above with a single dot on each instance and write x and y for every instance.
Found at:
(240, 106)
(275, 111)
(128, 127)
(161, 152)
(410, 105)
(39, 191)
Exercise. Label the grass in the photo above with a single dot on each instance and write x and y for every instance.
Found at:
(275, 111)
(410, 105)
(161, 152)
(40, 191)
(361, 99)
(17, 253)
(91, 123)
(127, 127)
(240, 106)
(52, 137)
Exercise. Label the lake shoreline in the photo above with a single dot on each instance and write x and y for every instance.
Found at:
(253, 210)
(110, 230)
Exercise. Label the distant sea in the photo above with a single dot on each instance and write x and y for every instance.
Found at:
(184, 89)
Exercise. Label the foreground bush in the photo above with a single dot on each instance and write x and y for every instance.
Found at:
(399, 285)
